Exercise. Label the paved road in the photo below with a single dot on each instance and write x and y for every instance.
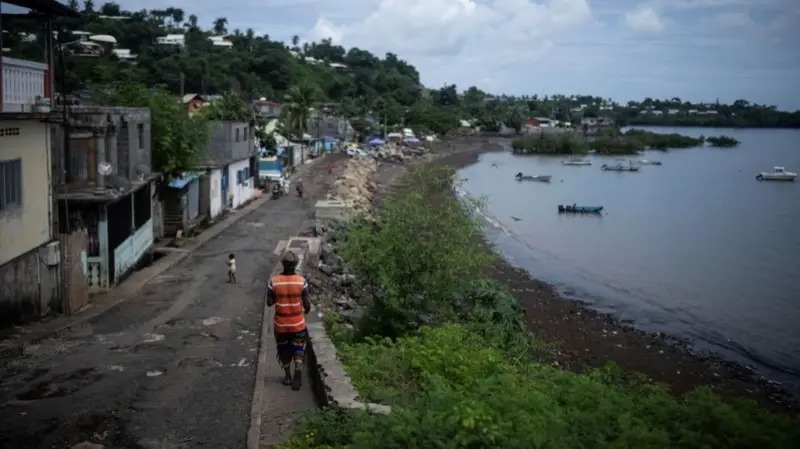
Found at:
(172, 367)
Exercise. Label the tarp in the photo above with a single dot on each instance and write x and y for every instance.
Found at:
(376, 142)
(269, 166)
(184, 180)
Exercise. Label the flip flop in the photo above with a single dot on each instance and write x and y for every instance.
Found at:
(297, 380)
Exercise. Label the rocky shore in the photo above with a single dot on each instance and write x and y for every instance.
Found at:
(583, 337)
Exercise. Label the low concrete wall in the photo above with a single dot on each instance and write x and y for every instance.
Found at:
(333, 210)
(28, 287)
(331, 384)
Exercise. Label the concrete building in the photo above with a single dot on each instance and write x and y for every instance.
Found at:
(106, 191)
(30, 260)
(229, 163)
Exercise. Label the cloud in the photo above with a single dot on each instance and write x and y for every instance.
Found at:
(486, 36)
(644, 19)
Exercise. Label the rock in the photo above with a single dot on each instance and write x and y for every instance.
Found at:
(345, 280)
(315, 282)
(87, 445)
(350, 316)
(326, 269)
(345, 303)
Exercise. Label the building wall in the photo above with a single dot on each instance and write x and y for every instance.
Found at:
(25, 227)
(229, 141)
(215, 193)
(242, 190)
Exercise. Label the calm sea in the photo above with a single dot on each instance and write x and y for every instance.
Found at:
(696, 247)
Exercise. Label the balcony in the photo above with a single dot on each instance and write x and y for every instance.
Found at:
(22, 82)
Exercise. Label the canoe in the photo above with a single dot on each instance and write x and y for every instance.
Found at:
(541, 178)
(579, 209)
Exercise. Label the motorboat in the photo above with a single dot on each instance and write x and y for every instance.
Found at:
(574, 209)
(619, 167)
(646, 162)
(576, 162)
(540, 178)
(778, 174)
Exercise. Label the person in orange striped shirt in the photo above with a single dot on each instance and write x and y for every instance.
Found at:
(288, 292)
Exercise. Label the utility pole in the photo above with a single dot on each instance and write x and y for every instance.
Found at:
(183, 85)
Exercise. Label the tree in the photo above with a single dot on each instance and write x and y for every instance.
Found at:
(193, 21)
(88, 7)
(73, 4)
(297, 108)
(221, 25)
(177, 138)
(110, 9)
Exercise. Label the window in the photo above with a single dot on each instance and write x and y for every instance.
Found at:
(10, 184)
(140, 132)
(237, 134)
(246, 131)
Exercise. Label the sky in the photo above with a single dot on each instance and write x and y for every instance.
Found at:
(698, 50)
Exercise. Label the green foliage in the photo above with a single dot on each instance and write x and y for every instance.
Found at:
(422, 249)
(722, 141)
(176, 138)
(231, 108)
(659, 141)
(449, 389)
(547, 143)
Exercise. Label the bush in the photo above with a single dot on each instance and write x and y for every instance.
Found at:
(449, 389)
(422, 249)
(557, 143)
(722, 141)
(659, 141)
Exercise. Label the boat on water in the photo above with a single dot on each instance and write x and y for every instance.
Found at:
(540, 178)
(646, 162)
(778, 174)
(576, 162)
(619, 167)
(574, 209)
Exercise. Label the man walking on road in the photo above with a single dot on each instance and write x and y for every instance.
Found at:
(289, 293)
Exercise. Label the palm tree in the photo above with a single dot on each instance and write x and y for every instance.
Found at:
(193, 21)
(177, 16)
(297, 108)
(221, 25)
(73, 4)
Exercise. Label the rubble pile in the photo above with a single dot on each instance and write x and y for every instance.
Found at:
(356, 184)
(397, 153)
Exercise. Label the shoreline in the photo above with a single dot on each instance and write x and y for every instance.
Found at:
(586, 338)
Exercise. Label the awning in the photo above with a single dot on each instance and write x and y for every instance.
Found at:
(184, 180)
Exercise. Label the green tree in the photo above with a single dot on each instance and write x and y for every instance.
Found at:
(177, 138)
(297, 108)
(221, 25)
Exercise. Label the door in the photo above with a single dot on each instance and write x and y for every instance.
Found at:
(224, 186)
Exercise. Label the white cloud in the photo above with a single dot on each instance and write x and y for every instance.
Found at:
(485, 35)
(645, 19)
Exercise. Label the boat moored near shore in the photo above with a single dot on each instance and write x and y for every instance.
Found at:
(576, 162)
(778, 174)
(646, 162)
(619, 167)
(575, 209)
(540, 178)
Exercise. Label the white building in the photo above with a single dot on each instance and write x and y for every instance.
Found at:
(178, 40)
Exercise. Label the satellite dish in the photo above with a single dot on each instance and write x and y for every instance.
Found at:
(104, 168)
(108, 39)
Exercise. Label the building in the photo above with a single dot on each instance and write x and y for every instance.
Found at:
(176, 40)
(193, 103)
(267, 109)
(229, 165)
(30, 259)
(106, 191)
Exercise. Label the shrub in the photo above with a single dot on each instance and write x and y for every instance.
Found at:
(722, 141)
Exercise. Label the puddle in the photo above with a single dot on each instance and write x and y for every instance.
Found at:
(119, 368)
(154, 373)
(61, 385)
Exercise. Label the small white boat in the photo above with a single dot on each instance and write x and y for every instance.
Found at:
(646, 162)
(576, 162)
(619, 167)
(540, 178)
(779, 174)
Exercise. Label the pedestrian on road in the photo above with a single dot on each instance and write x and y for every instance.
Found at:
(231, 268)
(289, 293)
(299, 188)
(330, 169)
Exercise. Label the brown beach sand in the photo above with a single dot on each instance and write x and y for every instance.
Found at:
(585, 338)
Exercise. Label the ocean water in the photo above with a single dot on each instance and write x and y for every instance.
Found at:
(696, 247)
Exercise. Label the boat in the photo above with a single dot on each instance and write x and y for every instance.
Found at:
(576, 162)
(646, 162)
(572, 208)
(779, 174)
(619, 167)
(541, 178)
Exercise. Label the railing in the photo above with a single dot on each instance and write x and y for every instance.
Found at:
(23, 81)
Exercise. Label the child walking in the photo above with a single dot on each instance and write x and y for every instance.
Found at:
(231, 268)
